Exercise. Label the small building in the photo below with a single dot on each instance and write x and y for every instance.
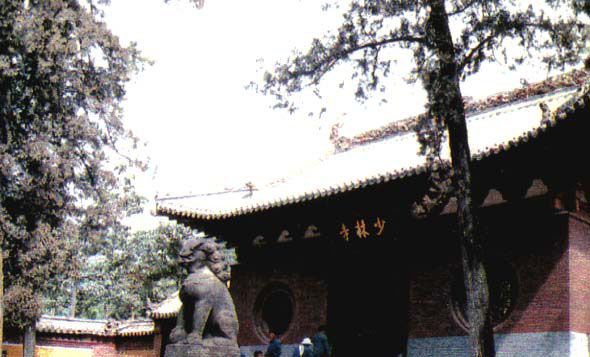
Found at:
(74, 337)
(164, 316)
(342, 243)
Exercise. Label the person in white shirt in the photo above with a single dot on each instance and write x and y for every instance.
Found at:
(304, 349)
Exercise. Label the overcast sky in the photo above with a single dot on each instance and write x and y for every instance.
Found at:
(203, 130)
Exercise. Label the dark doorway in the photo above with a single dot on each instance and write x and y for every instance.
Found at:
(368, 301)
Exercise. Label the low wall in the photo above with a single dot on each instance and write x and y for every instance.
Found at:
(45, 351)
(547, 344)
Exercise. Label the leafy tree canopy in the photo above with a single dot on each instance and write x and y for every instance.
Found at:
(120, 274)
(63, 76)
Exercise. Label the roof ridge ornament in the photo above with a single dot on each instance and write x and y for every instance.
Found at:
(573, 78)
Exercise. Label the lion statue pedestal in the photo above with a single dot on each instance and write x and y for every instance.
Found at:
(200, 351)
(207, 324)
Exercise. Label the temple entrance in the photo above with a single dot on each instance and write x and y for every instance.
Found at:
(368, 302)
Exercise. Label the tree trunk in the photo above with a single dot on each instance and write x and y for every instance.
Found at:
(1, 295)
(446, 104)
(73, 298)
(29, 342)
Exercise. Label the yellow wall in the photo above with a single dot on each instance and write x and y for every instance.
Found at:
(136, 353)
(44, 351)
(12, 350)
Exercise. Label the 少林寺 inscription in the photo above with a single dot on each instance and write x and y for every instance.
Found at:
(362, 230)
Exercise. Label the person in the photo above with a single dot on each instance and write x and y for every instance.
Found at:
(274, 346)
(304, 349)
(321, 347)
(257, 353)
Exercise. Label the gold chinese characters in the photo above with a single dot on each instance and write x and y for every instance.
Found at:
(360, 229)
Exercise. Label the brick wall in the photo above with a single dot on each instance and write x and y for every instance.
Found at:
(549, 253)
(541, 263)
(136, 346)
(310, 308)
(430, 312)
(579, 267)
(105, 349)
(535, 247)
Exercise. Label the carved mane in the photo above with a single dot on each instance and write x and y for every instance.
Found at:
(215, 260)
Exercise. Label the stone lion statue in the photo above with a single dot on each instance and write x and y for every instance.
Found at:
(208, 316)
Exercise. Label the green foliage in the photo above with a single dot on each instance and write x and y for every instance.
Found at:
(123, 275)
(24, 303)
(62, 74)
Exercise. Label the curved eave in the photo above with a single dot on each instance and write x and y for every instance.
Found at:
(561, 114)
(161, 316)
(308, 196)
(65, 331)
(146, 331)
(136, 333)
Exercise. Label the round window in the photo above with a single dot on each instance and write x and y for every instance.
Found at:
(503, 294)
(274, 309)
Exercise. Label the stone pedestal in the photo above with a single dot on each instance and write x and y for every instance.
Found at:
(185, 350)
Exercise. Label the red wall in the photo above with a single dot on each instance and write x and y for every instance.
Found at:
(579, 268)
(536, 249)
(549, 252)
(309, 292)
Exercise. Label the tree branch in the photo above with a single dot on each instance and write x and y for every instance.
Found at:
(512, 26)
(460, 10)
(325, 65)
(375, 61)
(416, 39)
(467, 59)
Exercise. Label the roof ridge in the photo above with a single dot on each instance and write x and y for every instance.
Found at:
(574, 78)
(69, 318)
(74, 325)
(524, 115)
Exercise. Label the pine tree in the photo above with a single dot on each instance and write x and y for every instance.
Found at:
(449, 40)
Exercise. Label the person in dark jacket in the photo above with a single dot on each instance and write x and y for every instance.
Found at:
(274, 346)
(321, 347)
(304, 349)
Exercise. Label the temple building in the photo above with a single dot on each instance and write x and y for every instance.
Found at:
(75, 337)
(343, 244)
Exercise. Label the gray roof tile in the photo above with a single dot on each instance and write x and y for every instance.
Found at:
(495, 124)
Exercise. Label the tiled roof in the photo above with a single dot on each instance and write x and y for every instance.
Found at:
(167, 308)
(135, 328)
(572, 79)
(75, 326)
(495, 124)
